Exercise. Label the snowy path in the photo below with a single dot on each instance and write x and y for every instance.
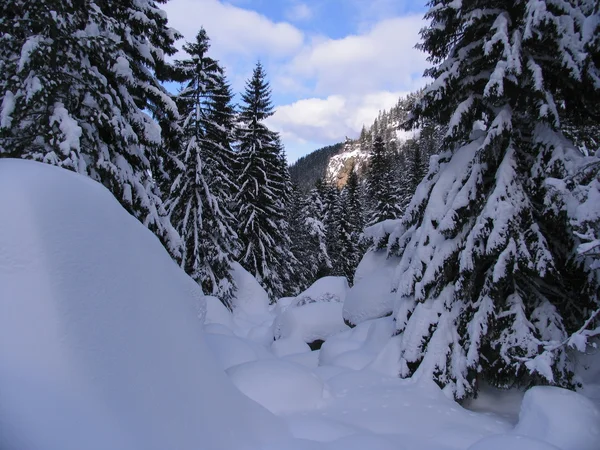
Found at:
(406, 415)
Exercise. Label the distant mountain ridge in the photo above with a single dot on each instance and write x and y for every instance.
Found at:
(312, 167)
(334, 163)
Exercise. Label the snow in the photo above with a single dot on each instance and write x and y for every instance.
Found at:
(359, 347)
(512, 442)
(106, 343)
(310, 322)
(7, 108)
(371, 296)
(250, 298)
(574, 425)
(101, 342)
(289, 346)
(326, 289)
(71, 131)
(230, 351)
(280, 386)
(381, 230)
(217, 313)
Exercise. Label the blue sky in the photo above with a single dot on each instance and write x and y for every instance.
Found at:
(332, 64)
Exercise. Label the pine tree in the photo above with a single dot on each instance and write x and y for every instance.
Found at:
(350, 227)
(314, 212)
(202, 187)
(331, 216)
(76, 80)
(381, 186)
(487, 284)
(354, 202)
(303, 245)
(260, 202)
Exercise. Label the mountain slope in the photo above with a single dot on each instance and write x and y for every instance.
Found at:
(308, 169)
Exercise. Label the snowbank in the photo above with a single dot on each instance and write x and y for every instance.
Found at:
(315, 321)
(380, 231)
(358, 347)
(249, 297)
(280, 386)
(217, 313)
(371, 296)
(101, 342)
(561, 417)
(324, 290)
(511, 442)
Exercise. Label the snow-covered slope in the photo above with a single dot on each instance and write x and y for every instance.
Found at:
(101, 341)
(340, 165)
(356, 155)
(102, 347)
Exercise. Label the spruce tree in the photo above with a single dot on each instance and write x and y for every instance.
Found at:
(314, 217)
(303, 245)
(487, 284)
(350, 226)
(260, 202)
(76, 81)
(382, 188)
(331, 221)
(201, 191)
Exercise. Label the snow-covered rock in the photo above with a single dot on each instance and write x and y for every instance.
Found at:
(340, 165)
(250, 297)
(315, 321)
(324, 290)
(280, 386)
(371, 296)
(101, 341)
(561, 417)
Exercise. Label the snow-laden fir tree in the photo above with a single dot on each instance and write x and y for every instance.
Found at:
(304, 246)
(314, 216)
(76, 80)
(260, 202)
(381, 187)
(331, 216)
(349, 225)
(202, 187)
(488, 283)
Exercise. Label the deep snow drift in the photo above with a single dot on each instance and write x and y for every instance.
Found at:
(101, 342)
(102, 347)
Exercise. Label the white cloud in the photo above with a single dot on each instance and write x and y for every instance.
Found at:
(383, 58)
(330, 119)
(331, 86)
(299, 12)
(234, 30)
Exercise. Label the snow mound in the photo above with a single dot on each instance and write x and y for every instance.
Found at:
(380, 231)
(315, 321)
(357, 348)
(511, 442)
(249, 297)
(101, 341)
(230, 350)
(217, 312)
(289, 346)
(561, 417)
(361, 441)
(326, 289)
(280, 386)
(371, 296)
